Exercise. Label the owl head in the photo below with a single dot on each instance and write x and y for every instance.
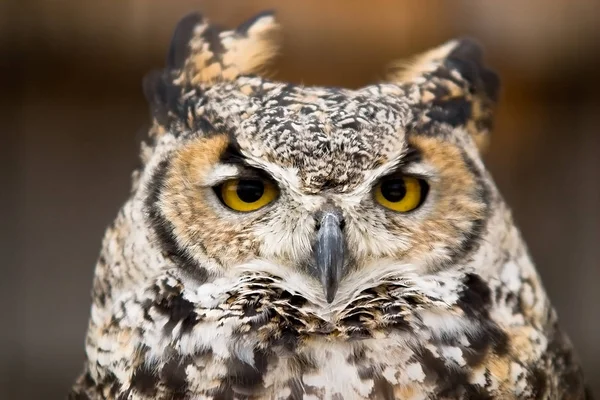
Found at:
(326, 191)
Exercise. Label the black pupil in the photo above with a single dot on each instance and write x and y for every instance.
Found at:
(393, 190)
(250, 191)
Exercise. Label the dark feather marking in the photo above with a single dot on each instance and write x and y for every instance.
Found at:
(167, 104)
(179, 49)
(144, 380)
(296, 390)
(455, 111)
(357, 356)
(479, 84)
(499, 339)
(472, 238)
(412, 155)
(476, 392)
(162, 95)
(351, 124)
(288, 339)
(560, 355)
(475, 298)
(179, 310)
(537, 380)
(449, 380)
(223, 392)
(233, 155)
(247, 379)
(78, 396)
(215, 46)
(467, 58)
(201, 125)
(382, 389)
(174, 376)
(365, 372)
(169, 107)
(83, 384)
(164, 229)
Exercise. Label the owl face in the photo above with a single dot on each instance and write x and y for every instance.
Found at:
(318, 187)
(284, 241)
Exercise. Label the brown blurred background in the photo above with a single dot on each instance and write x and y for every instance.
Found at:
(72, 114)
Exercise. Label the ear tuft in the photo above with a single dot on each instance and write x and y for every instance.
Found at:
(265, 19)
(202, 54)
(213, 54)
(251, 46)
(453, 87)
(162, 96)
(416, 67)
(467, 59)
(179, 47)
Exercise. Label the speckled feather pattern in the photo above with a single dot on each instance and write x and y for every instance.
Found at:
(194, 301)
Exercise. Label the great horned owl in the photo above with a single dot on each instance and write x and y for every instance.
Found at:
(293, 242)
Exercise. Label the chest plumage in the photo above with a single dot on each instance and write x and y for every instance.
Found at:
(290, 242)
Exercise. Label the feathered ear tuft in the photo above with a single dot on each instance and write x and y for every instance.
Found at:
(202, 54)
(205, 53)
(179, 48)
(454, 87)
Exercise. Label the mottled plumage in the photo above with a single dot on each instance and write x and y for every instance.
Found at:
(193, 300)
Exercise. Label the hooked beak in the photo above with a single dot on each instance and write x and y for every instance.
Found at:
(329, 252)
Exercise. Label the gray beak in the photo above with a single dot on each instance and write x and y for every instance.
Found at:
(329, 252)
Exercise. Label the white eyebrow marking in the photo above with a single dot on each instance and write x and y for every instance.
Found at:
(288, 176)
(219, 173)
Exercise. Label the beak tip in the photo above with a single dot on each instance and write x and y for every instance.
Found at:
(330, 296)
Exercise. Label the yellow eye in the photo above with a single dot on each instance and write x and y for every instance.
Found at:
(247, 195)
(402, 194)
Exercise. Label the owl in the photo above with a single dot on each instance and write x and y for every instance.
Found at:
(291, 242)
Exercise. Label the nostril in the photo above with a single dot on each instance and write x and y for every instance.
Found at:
(317, 224)
(342, 223)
